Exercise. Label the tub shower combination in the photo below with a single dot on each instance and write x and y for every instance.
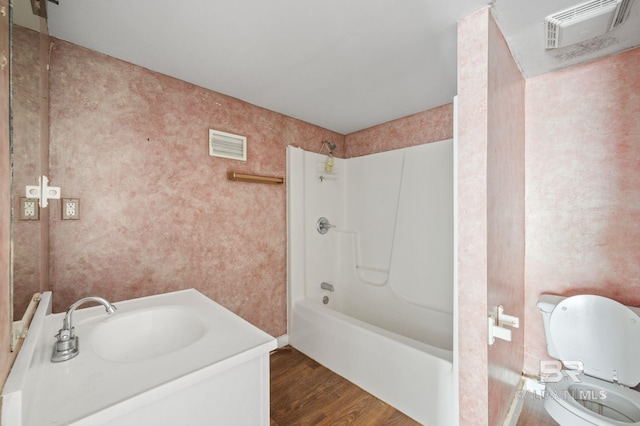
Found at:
(370, 291)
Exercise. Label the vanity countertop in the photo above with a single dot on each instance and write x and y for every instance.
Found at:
(89, 388)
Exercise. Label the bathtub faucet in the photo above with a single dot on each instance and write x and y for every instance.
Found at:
(66, 347)
(323, 225)
(326, 286)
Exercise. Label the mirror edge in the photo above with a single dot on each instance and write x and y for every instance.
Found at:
(19, 328)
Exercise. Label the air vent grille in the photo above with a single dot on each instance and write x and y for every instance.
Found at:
(227, 145)
(623, 11)
(578, 12)
(585, 21)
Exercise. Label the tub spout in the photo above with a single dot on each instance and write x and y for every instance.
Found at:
(326, 286)
(66, 346)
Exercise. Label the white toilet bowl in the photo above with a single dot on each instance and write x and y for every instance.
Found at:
(592, 402)
(603, 337)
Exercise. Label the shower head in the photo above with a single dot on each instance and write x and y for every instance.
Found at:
(329, 145)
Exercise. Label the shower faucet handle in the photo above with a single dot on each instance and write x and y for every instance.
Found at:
(323, 225)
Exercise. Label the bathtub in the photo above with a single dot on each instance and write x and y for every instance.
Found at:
(413, 376)
(385, 267)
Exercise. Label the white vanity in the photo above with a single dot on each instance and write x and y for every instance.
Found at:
(169, 359)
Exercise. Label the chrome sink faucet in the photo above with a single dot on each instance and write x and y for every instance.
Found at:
(66, 347)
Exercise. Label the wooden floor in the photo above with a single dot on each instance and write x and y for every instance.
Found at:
(305, 393)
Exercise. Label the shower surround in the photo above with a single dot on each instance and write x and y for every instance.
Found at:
(372, 298)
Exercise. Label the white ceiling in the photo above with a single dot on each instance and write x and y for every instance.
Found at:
(342, 65)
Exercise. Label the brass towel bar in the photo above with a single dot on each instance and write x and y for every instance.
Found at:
(254, 178)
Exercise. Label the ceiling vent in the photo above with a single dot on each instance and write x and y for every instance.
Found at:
(227, 145)
(585, 21)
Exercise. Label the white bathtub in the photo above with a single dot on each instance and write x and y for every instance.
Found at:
(415, 377)
(388, 262)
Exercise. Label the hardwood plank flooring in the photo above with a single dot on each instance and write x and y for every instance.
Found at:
(304, 392)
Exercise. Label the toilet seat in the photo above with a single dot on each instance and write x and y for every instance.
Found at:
(605, 336)
(620, 404)
(601, 333)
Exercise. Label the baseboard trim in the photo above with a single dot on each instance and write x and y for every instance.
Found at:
(515, 409)
(282, 340)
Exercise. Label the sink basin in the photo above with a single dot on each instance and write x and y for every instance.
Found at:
(168, 359)
(146, 334)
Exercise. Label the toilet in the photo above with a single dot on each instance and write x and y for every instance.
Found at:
(603, 337)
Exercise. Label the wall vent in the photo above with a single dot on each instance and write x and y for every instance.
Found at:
(585, 21)
(622, 13)
(227, 145)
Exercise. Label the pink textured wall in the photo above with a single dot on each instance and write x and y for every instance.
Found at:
(583, 187)
(490, 217)
(506, 216)
(432, 125)
(157, 212)
(6, 356)
(472, 217)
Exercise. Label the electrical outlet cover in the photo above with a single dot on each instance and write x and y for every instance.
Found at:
(70, 209)
(29, 209)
